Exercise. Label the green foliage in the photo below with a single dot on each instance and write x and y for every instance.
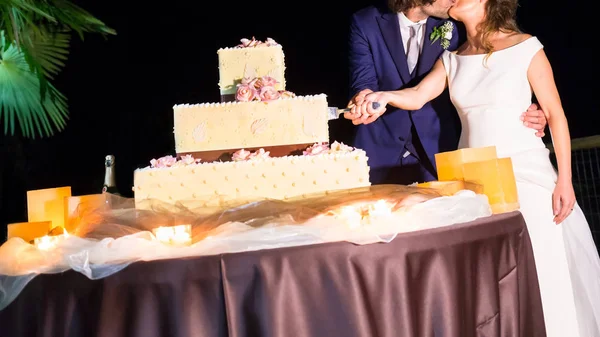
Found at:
(34, 46)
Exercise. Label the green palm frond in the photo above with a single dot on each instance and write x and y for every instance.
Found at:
(20, 99)
(49, 54)
(34, 48)
(19, 18)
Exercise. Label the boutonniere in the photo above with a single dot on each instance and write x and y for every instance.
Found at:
(442, 33)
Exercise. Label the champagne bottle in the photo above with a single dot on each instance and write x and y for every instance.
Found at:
(110, 184)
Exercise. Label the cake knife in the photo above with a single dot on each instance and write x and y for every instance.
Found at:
(334, 112)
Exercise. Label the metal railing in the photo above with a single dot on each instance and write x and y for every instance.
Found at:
(585, 154)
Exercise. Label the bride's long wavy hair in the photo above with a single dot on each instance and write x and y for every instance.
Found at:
(500, 16)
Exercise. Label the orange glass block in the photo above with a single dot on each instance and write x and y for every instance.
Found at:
(48, 205)
(450, 164)
(28, 230)
(452, 186)
(498, 180)
(81, 206)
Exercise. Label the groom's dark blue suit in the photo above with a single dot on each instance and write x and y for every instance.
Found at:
(378, 62)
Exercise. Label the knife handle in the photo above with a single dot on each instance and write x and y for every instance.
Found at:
(375, 105)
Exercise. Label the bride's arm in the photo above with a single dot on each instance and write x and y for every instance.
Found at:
(430, 87)
(542, 82)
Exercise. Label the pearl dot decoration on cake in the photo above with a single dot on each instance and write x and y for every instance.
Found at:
(234, 180)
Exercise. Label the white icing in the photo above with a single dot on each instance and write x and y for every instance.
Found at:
(310, 126)
(223, 104)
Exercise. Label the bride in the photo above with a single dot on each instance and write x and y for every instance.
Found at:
(490, 79)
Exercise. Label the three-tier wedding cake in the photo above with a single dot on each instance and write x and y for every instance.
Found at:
(261, 141)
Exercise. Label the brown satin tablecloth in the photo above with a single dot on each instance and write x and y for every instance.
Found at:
(472, 279)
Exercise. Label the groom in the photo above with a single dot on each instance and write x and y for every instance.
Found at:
(390, 48)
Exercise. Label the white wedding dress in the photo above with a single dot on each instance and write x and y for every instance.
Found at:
(490, 97)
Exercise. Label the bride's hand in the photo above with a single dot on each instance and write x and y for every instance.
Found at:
(563, 200)
(373, 106)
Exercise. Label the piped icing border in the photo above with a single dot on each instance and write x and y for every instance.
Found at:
(225, 104)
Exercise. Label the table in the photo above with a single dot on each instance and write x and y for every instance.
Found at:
(472, 279)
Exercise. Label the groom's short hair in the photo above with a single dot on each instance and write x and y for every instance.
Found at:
(398, 6)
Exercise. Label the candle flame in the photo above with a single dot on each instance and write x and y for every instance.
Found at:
(364, 213)
(49, 242)
(180, 235)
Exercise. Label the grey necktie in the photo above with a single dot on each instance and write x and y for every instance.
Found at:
(412, 52)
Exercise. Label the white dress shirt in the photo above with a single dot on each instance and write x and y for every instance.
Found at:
(405, 24)
(405, 31)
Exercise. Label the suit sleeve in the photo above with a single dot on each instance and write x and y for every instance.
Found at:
(361, 66)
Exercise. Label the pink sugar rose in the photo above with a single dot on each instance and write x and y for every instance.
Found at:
(246, 93)
(241, 155)
(317, 148)
(253, 83)
(247, 81)
(260, 154)
(166, 161)
(268, 93)
(267, 81)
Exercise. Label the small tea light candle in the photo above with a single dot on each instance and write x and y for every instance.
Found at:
(180, 235)
(365, 213)
(48, 242)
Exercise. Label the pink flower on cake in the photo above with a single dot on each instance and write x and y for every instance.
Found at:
(247, 81)
(246, 93)
(270, 42)
(241, 155)
(166, 161)
(260, 89)
(246, 43)
(260, 154)
(317, 148)
(266, 81)
(268, 93)
(170, 161)
(188, 160)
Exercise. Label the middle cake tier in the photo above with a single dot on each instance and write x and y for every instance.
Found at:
(285, 126)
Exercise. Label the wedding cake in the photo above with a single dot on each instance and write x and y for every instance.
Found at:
(261, 141)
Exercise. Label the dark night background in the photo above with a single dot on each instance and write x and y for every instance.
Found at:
(121, 89)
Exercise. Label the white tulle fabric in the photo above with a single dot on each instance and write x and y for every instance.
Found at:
(490, 95)
(107, 241)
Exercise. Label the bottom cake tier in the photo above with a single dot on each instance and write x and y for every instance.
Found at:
(250, 176)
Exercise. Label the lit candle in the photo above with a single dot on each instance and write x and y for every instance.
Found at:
(365, 213)
(180, 235)
(48, 242)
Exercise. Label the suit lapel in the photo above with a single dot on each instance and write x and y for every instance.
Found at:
(429, 52)
(390, 30)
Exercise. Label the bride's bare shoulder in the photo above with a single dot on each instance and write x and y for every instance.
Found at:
(520, 37)
(509, 40)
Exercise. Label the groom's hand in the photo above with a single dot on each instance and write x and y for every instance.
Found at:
(535, 118)
(355, 104)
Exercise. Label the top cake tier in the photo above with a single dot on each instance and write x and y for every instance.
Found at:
(250, 59)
